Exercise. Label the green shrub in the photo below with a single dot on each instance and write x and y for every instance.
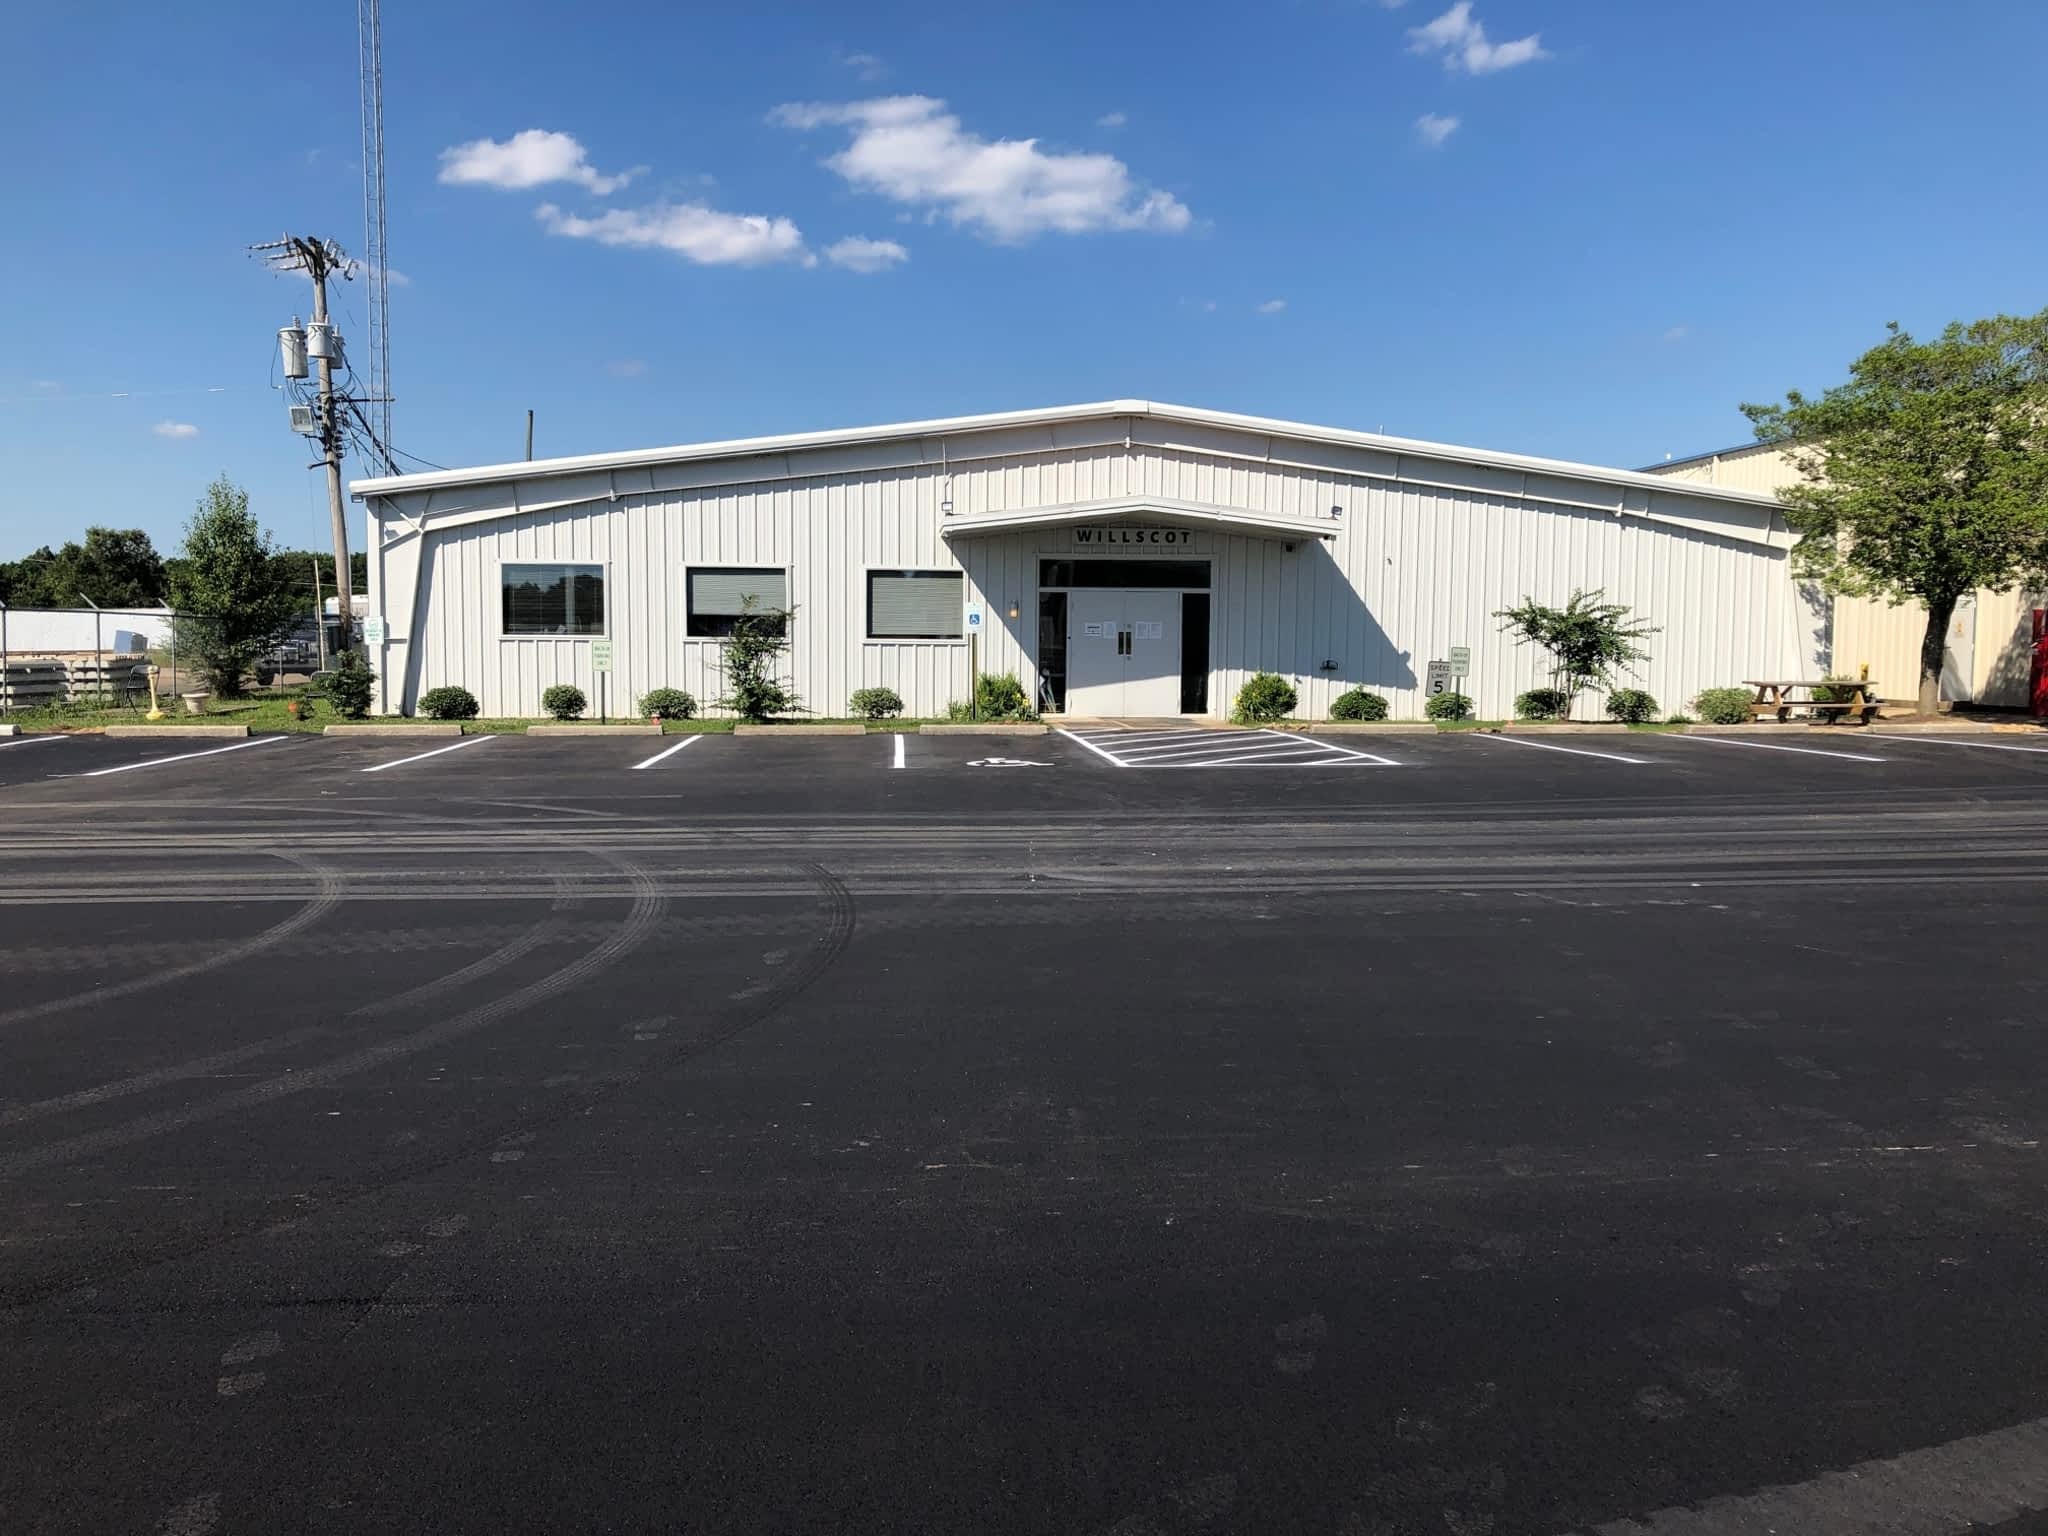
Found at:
(1543, 704)
(448, 703)
(1823, 694)
(1631, 706)
(1001, 697)
(1678, 719)
(349, 686)
(1357, 704)
(875, 703)
(1265, 697)
(1448, 706)
(564, 701)
(752, 653)
(1724, 706)
(667, 704)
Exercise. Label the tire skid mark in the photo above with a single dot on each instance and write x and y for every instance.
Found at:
(204, 1066)
(324, 901)
(648, 907)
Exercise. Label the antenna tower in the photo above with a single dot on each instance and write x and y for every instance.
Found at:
(376, 255)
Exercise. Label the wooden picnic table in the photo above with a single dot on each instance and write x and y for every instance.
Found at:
(1778, 697)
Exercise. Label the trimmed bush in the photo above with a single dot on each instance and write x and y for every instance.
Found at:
(667, 704)
(448, 703)
(875, 703)
(348, 686)
(1000, 697)
(1543, 704)
(1265, 697)
(1724, 706)
(1631, 706)
(1357, 704)
(1843, 694)
(564, 701)
(1448, 706)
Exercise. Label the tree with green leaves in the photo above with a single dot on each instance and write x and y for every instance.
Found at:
(752, 651)
(114, 567)
(1588, 639)
(1925, 476)
(231, 608)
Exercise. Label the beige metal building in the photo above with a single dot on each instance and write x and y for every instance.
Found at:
(1990, 639)
(1125, 558)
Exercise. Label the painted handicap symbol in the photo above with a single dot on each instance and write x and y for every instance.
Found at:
(1005, 762)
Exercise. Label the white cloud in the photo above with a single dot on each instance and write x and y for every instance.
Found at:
(45, 386)
(866, 65)
(531, 158)
(1462, 42)
(911, 150)
(1433, 130)
(1111, 120)
(179, 430)
(626, 367)
(1272, 306)
(1678, 333)
(700, 234)
(857, 253)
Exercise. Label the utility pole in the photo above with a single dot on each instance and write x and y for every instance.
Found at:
(319, 614)
(529, 434)
(317, 259)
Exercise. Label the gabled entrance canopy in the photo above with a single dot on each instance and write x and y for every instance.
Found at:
(1192, 514)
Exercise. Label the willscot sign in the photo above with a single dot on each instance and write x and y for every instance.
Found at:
(1174, 536)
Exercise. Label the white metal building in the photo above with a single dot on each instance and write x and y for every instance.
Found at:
(1127, 558)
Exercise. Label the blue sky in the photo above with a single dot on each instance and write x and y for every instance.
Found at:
(1583, 228)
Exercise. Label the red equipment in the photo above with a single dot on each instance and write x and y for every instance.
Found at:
(2037, 683)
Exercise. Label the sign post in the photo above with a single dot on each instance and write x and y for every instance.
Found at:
(601, 664)
(972, 621)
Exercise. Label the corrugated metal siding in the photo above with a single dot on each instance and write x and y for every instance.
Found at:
(1869, 632)
(1411, 572)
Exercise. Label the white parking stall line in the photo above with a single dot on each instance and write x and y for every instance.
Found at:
(1778, 746)
(665, 752)
(1947, 741)
(1129, 738)
(1216, 750)
(1331, 746)
(898, 763)
(1203, 743)
(29, 741)
(1551, 746)
(182, 757)
(421, 757)
(1111, 759)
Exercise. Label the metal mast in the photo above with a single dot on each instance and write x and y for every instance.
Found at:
(370, 45)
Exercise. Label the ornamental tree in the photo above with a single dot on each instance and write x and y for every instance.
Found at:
(1925, 476)
(1588, 639)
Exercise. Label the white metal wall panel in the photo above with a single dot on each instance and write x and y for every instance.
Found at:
(1412, 571)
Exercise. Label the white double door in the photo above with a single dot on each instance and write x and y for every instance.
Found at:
(1123, 652)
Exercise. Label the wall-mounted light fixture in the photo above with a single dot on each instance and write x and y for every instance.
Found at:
(1336, 511)
(1013, 610)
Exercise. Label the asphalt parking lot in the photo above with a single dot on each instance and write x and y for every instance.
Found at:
(1130, 1132)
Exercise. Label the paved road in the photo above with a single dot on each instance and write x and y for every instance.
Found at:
(772, 1138)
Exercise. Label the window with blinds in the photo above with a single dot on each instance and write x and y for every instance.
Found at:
(719, 594)
(915, 605)
(552, 599)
